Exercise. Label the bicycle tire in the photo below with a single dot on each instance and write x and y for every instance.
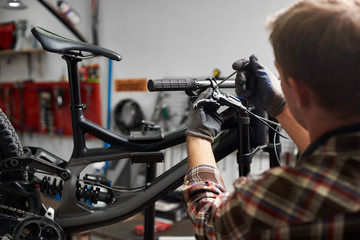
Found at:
(10, 145)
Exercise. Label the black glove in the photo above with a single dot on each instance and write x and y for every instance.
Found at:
(203, 120)
(262, 86)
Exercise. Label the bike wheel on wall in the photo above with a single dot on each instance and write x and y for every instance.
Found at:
(128, 116)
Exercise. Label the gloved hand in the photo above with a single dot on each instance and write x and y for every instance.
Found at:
(203, 120)
(262, 86)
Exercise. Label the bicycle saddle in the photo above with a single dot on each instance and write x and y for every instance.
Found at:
(57, 44)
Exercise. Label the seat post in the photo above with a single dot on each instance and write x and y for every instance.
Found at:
(76, 107)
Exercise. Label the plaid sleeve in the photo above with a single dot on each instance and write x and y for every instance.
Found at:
(209, 205)
(258, 202)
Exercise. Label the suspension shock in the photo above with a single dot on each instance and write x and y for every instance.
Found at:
(94, 194)
(51, 188)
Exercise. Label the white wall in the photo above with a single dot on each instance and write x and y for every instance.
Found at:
(164, 38)
(157, 39)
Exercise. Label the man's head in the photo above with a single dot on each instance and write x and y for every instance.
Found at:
(317, 43)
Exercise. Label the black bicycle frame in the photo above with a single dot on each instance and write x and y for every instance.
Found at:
(73, 215)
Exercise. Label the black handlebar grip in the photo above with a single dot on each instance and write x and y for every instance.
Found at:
(172, 84)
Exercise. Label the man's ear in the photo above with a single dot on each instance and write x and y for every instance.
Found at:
(301, 93)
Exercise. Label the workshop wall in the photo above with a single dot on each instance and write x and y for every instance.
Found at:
(51, 67)
(157, 39)
(164, 38)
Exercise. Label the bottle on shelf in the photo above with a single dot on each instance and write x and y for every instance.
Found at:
(69, 12)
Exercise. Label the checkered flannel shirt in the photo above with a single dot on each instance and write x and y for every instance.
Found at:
(326, 182)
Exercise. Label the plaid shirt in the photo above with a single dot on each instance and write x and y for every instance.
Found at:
(326, 182)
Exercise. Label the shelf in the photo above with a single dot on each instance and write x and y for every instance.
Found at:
(24, 51)
(9, 54)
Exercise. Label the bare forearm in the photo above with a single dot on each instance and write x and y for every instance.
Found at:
(199, 152)
(297, 132)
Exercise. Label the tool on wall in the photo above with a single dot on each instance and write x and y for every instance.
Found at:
(185, 114)
(59, 94)
(46, 114)
(43, 107)
(88, 89)
(20, 86)
(162, 113)
(216, 74)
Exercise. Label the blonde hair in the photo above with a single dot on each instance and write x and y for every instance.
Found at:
(318, 42)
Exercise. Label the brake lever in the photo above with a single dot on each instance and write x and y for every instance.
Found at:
(228, 100)
(209, 100)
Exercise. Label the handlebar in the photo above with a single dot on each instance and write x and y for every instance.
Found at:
(191, 84)
(185, 84)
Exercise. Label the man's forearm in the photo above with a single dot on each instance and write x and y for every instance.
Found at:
(199, 152)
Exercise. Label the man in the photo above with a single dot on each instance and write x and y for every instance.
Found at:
(317, 53)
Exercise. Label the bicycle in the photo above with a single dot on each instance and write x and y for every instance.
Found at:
(23, 215)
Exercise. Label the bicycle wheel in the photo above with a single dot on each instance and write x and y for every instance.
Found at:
(10, 145)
